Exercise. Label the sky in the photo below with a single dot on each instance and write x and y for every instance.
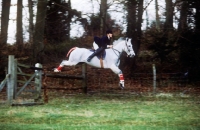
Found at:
(86, 7)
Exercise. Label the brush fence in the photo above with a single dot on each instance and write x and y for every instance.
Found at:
(72, 78)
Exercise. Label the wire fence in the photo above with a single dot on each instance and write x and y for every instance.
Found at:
(105, 81)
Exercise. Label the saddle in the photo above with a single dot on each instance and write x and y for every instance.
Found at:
(101, 55)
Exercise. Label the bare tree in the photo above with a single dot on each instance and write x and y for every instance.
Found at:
(139, 21)
(31, 26)
(134, 21)
(103, 12)
(157, 15)
(19, 35)
(197, 16)
(4, 21)
(131, 18)
(169, 14)
(38, 36)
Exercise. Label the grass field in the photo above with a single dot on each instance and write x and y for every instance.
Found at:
(106, 112)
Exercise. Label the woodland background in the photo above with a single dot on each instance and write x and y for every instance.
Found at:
(170, 48)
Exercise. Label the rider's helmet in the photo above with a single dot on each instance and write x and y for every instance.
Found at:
(109, 31)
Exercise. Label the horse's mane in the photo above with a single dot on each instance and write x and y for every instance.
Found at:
(118, 40)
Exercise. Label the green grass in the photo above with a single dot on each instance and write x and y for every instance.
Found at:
(105, 112)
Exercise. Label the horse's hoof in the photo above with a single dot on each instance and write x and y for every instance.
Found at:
(56, 70)
(121, 86)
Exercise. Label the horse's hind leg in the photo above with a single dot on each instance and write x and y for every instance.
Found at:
(64, 63)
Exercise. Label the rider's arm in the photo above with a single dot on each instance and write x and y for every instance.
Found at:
(106, 41)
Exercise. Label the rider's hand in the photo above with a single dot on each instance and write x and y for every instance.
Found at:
(110, 46)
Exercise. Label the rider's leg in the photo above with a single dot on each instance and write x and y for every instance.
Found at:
(99, 50)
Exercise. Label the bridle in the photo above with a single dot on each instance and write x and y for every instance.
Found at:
(127, 46)
(119, 51)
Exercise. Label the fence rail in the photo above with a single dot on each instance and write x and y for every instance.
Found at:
(3, 83)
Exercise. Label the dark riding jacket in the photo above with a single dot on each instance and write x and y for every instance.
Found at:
(102, 42)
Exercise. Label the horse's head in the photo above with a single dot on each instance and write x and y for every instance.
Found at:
(129, 49)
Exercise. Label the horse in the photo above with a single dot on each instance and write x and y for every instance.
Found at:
(111, 60)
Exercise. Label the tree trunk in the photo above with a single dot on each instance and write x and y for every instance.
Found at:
(69, 19)
(131, 18)
(31, 26)
(38, 36)
(139, 22)
(183, 16)
(132, 31)
(103, 12)
(19, 37)
(131, 22)
(197, 16)
(147, 19)
(169, 15)
(4, 21)
(157, 16)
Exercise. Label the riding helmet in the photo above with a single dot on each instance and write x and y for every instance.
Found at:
(109, 31)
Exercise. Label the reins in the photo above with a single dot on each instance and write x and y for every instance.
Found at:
(115, 52)
(119, 51)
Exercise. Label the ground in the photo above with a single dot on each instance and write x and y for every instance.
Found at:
(105, 112)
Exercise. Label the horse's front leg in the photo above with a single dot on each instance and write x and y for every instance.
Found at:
(121, 80)
(116, 70)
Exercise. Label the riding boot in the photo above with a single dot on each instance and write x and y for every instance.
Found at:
(99, 50)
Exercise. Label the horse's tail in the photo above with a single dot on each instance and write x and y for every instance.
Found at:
(69, 52)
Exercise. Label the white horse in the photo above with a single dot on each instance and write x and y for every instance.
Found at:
(111, 60)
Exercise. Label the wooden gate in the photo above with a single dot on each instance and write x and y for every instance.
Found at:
(19, 82)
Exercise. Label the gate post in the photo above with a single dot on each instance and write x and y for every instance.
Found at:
(38, 80)
(15, 79)
(84, 74)
(11, 82)
(154, 78)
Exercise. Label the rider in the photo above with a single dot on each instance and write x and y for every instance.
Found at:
(103, 43)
